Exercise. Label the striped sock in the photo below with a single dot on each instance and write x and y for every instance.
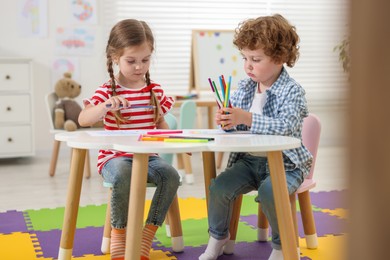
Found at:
(147, 239)
(118, 244)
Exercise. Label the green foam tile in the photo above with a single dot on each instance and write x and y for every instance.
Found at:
(249, 205)
(195, 233)
(48, 219)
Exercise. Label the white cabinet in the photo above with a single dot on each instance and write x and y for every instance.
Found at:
(16, 108)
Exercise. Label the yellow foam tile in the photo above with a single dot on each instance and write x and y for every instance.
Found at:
(161, 255)
(93, 257)
(329, 247)
(192, 208)
(341, 213)
(154, 254)
(18, 246)
(146, 209)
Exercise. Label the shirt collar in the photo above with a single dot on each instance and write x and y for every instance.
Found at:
(276, 87)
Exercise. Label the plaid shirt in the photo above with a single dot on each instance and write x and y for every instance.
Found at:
(283, 114)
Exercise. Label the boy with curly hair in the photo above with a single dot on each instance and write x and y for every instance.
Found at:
(268, 102)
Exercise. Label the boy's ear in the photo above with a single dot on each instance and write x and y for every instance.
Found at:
(280, 63)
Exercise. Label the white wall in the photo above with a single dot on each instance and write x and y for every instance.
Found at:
(42, 51)
(93, 73)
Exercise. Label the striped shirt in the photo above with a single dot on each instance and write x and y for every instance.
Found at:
(283, 114)
(136, 118)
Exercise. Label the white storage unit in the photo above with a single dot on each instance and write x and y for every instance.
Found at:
(16, 108)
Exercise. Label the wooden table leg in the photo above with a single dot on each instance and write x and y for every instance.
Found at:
(282, 205)
(136, 206)
(209, 171)
(72, 204)
(106, 240)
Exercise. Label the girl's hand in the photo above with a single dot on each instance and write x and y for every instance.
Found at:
(115, 103)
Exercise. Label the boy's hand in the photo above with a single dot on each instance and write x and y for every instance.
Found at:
(231, 117)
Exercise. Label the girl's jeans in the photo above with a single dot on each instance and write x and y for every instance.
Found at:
(247, 174)
(117, 171)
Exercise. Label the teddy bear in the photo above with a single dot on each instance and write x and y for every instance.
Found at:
(67, 110)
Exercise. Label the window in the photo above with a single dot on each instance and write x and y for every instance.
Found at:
(321, 25)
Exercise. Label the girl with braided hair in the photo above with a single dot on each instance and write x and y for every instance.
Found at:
(129, 48)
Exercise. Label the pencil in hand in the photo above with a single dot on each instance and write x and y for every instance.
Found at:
(134, 106)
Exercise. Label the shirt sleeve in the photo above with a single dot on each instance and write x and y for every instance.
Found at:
(283, 114)
(100, 96)
(166, 102)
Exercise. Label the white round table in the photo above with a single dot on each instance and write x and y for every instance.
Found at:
(127, 141)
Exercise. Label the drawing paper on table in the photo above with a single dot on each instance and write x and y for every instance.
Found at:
(116, 132)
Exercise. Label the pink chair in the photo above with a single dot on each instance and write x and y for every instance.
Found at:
(310, 137)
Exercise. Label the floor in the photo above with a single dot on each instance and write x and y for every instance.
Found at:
(25, 183)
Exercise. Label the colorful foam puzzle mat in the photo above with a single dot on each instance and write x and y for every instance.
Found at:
(35, 234)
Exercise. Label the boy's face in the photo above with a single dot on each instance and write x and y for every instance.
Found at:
(259, 67)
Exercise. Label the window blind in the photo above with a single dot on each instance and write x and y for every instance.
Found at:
(321, 25)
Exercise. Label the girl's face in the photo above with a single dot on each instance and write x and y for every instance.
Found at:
(259, 67)
(133, 65)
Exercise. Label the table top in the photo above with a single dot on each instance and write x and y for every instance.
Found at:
(127, 141)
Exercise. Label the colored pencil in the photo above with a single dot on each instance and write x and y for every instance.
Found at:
(230, 88)
(182, 140)
(134, 106)
(191, 137)
(226, 93)
(215, 94)
(226, 97)
(224, 82)
(216, 91)
(144, 138)
(159, 132)
(222, 87)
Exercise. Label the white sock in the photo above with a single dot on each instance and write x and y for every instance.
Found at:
(276, 255)
(214, 248)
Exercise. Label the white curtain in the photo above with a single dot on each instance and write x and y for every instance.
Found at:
(321, 25)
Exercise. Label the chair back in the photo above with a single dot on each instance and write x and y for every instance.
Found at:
(187, 115)
(311, 132)
(50, 100)
(171, 120)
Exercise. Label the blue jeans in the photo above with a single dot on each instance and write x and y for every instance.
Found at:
(247, 174)
(117, 171)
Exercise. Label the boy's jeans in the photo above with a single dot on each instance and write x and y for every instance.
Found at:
(247, 174)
